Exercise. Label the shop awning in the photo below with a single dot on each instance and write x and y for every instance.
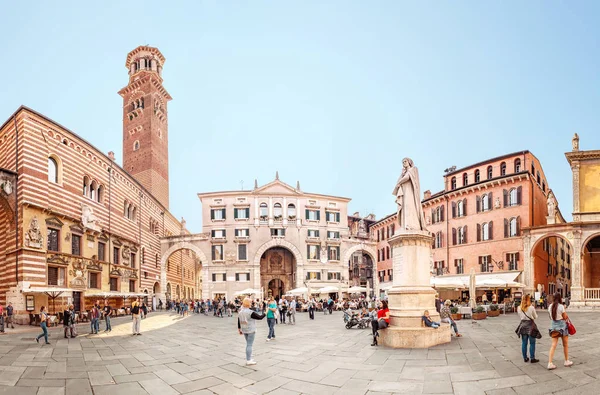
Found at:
(247, 291)
(329, 289)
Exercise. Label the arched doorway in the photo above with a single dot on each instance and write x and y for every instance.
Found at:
(361, 271)
(590, 268)
(155, 295)
(552, 258)
(275, 288)
(277, 271)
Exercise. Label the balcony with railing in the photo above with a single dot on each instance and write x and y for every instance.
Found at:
(591, 294)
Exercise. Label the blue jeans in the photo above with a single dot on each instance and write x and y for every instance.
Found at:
(107, 320)
(45, 334)
(271, 323)
(524, 340)
(435, 324)
(249, 341)
(94, 325)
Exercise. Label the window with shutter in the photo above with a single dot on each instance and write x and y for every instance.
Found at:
(478, 232)
(453, 209)
(464, 207)
(52, 275)
(442, 213)
(505, 192)
(519, 193)
(453, 236)
(490, 206)
(478, 203)
(131, 285)
(113, 284)
(491, 230)
(505, 227)
(101, 251)
(477, 176)
(465, 239)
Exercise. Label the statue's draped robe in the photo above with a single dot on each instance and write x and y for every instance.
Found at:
(408, 192)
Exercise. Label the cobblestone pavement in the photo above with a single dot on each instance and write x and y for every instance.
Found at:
(205, 355)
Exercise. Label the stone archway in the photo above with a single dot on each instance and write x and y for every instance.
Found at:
(368, 250)
(279, 243)
(176, 247)
(531, 241)
(551, 263)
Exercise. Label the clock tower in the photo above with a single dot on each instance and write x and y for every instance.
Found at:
(145, 122)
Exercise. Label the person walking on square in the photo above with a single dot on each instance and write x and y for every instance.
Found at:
(445, 316)
(107, 313)
(135, 315)
(247, 327)
(1, 320)
(527, 314)
(69, 322)
(292, 312)
(44, 325)
(558, 330)
(9, 316)
(312, 304)
(271, 311)
(95, 316)
(282, 310)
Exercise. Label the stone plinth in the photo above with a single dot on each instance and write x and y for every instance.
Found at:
(412, 294)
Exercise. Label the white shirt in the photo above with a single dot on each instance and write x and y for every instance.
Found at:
(530, 312)
(559, 311)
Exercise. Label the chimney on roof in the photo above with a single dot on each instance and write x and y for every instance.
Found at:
(277, 175)
(427, 194)
(297, 185)
(111, 155)
(255, 183)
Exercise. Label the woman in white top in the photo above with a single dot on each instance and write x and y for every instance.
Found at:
(527, 314)
(558, 330)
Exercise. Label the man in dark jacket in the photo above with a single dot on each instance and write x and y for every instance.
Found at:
(69, 321)
(438, 303)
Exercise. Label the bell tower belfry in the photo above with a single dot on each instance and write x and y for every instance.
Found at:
(145, 122)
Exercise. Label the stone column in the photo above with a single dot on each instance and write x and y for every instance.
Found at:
(575, 169)
(528, 279)
(577, 296)
(412, 294)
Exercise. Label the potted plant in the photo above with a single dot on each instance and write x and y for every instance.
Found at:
(454, 313)
(479, 313)
(494, 312)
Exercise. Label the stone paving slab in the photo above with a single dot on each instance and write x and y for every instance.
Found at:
(205, 355)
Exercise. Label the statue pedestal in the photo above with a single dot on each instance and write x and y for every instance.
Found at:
(412, 294)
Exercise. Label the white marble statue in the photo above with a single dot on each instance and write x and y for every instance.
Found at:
(551, 204)
(88, 218)
(575, 142)
(408, 198)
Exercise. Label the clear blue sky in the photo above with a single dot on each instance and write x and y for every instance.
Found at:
(333, 94)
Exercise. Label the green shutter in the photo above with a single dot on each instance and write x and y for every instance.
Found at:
(213, 258)
(318, 215)
(224, 233)
(307, 213)
(212, 214)
(247, 213)
(308, 252)
(235, 213)
(337, 217)
(318, 253)
(317, 234)
(224, 213)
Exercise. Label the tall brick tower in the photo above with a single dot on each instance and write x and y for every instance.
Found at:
(145, 122)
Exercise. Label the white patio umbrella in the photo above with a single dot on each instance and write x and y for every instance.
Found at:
(472, 288)
(492, 283)
(247, 291)
(329, 289)
(356, 289)
(298, 291)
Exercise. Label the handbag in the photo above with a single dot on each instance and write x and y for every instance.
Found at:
(571, 328)
(382, 324)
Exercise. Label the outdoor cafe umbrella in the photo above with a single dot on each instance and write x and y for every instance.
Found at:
(356, 289)
(472, 289)
(51, 292)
